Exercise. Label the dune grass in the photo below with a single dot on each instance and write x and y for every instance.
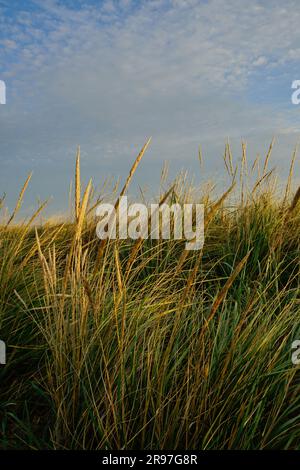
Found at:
(144, 345)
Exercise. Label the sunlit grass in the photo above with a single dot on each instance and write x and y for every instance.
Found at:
(142, 344)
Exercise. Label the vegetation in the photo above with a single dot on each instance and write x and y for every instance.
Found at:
(139, 344)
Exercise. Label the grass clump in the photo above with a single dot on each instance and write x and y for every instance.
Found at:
(144, 345)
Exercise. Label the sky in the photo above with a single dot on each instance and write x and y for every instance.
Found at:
(106, 75)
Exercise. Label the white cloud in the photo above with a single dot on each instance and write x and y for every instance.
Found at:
(107, 77)
(261, 60)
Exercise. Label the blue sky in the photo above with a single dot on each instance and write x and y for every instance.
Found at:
(108, 74)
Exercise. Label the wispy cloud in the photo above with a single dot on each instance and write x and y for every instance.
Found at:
(109, 74)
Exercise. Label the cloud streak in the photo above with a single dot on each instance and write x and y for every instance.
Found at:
(184, 71)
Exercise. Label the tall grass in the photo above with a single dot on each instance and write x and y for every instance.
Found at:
(141, 344)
